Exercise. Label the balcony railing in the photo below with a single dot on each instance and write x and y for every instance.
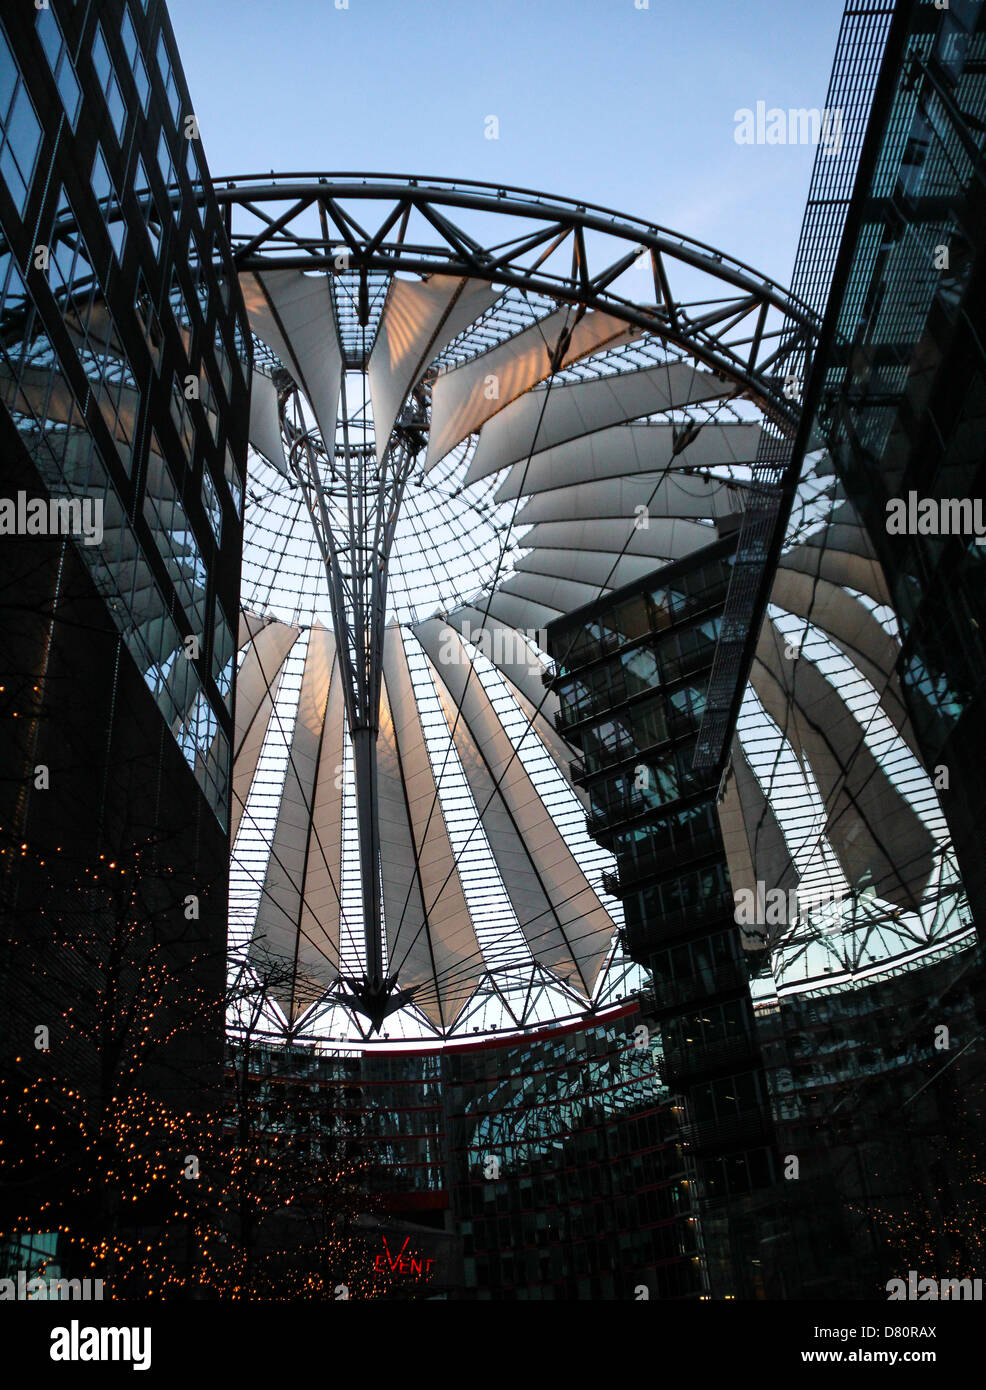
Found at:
(678, 669)
(667, 856)
(610, 884)
(602, 703)
(625, 809)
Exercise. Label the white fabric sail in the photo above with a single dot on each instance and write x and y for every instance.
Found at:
(548, 463)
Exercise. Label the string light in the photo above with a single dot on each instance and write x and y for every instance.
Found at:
(103, 1166)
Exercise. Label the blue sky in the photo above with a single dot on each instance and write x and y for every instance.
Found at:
(595, 99)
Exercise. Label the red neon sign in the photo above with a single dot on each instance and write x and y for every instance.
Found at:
(414, 1265)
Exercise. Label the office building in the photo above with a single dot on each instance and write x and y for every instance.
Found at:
(124, 377)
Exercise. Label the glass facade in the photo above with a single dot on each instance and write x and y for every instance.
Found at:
(877, 1083)
(567, 1182)
(121, 601)
(631, 674)
(835, 1128)
(65, 269)
(879, 1107)
(549, 1161)
(901, 394)
(813, 1120)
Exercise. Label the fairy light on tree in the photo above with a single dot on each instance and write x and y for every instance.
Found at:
(152, 1180)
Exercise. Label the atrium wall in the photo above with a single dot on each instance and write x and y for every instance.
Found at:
(544, 1167)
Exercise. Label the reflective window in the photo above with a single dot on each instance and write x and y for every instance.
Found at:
(192, 161)
(179, 307)
(103, 187)
(174, 537)
(152, 219)
(241, 342)
(108, 84)
(209, 405)
(111, 380)
(70, 267)
(222, 357)
(164, 160)
(650, 724)
(182, 417)
(136, 61)
(168, 78)
(234, 482)
(148, 319)
(641, 669)
(75, 285)
(56, 51)
(14, 300)
(223, 655)
(204, 745)
(210, 502)
(197, 260)
(167, 167)
(20, 129)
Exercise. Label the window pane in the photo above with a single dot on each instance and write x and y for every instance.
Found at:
(24, 134)
(8, 77)
(101, 59)
(11, 177)
(143, 84)
(101, 183)
(128, 36)
(117, 109)
(50, 36)
(68, 89)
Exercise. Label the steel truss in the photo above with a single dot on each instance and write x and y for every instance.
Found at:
(355, 544)
(729, 333)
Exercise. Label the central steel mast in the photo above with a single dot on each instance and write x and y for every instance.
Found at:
(354, 502)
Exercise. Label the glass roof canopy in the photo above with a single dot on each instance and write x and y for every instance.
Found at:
(460, 447)
(454, 540)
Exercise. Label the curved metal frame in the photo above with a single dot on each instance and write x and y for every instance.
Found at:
(751, 360)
